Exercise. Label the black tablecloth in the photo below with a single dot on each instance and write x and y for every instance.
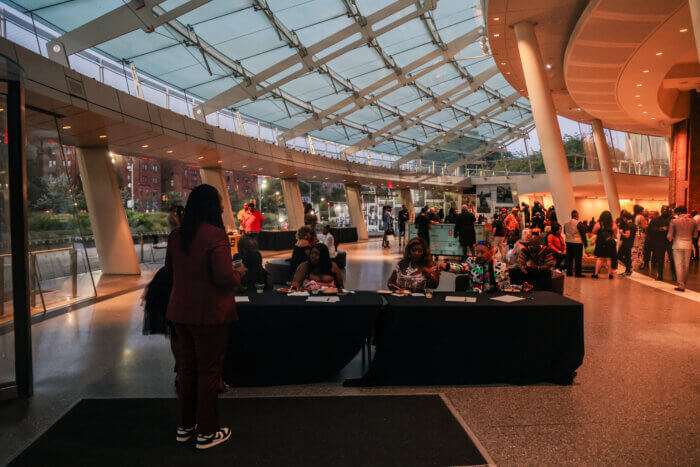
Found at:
(344, 234)
(421, 341)
(285, 340)
(276, 239)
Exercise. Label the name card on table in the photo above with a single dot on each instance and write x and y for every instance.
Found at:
(332, 299)
(298, 294)
(242, 299)
(460, 299)
(507, 298)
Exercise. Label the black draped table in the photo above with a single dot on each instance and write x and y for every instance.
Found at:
(285, 340)
(344, 234)
(422, 341)
(276, 239)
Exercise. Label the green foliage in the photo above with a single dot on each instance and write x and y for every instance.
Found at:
(141, 222)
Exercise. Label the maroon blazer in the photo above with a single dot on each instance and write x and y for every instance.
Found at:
(203, 280)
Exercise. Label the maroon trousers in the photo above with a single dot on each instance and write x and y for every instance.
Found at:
(199, 355)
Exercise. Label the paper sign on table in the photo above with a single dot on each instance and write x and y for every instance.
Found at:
(417, 294)
(455, 299)
(333, 299)
(470, 299)
(507, 298)
(298, 294)
(242, 299)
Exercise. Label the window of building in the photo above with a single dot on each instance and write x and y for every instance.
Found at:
(172, 182)
(144, 179)
(154, 179)
(154, 167)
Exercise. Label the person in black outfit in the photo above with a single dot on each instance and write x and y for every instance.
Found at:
(526, 213)
(252, 260)
(464, 230)
(423, 225)
(656, 233)
(302, 247)
(451, 216)
(403, 217)
(537, 221)
(627, 232)
(440, 215)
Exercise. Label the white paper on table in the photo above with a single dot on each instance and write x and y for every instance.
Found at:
(332, 299)
(455, 299)
(470, 299)
(417, 294)
(298, 294)
(507, 298)
(398, 295)
(348, 291)
(242, 299)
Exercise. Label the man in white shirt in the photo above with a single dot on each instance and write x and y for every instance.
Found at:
(576, 241)
(326, 237)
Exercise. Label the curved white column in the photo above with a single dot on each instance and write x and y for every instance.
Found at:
(292, 202)
(357, 219)
(546, 123)
(214, 176)
(606, 172)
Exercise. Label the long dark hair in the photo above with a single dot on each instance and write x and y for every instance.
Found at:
(325, 265)
(427, 259)
(638, 209)
(308, 207)
(605, 220)
(203, 205)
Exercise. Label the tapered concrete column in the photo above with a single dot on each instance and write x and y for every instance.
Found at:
(357, 219)
(546, 122)
(606, 172)
(407, 199)
(214, 176)
(292, 202)
(113, 241)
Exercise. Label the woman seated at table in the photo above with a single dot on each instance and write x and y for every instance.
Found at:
(486, 274)
(318, 272)
(252, 260)
(300, 253)
(416, 271)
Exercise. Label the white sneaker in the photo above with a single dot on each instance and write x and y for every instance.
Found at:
(209, 441)
(184, 434)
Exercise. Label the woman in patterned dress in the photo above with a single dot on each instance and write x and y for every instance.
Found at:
(416, 271)
(638, 248)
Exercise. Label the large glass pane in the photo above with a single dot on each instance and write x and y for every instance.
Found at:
(7, 341)
(62, 251)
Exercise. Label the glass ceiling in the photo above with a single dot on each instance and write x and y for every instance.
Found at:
(259, 34)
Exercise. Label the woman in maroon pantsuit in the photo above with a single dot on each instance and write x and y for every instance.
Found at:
(201, 307)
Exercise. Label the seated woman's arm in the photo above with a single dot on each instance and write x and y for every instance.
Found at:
(300, 274)
(338, 275)
(432, 277)
(391, 283)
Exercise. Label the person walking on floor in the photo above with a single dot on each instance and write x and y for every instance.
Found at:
(681, 232)
(498, 234)
(628, 231)
(576, 241)
(660, 245)
(388, 224)
(605, 243)
(201, 307)
(465, 232)
(640, 224)
(403, 217)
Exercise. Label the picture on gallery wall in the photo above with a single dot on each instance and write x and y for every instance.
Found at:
(484, 205)
(504, 195)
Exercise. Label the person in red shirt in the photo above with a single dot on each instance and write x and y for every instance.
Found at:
(252, 220)
(201, 308)
(512, 223)
(556, 243)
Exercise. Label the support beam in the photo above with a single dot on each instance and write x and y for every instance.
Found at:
(137, 14)
(357, 218)
(214, 176)
(292, 202)
(115, 246)
(606, 172)
(545, 116)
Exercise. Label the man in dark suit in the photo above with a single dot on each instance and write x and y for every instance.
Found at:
(464, 231)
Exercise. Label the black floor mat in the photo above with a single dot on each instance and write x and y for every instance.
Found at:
(310, 431)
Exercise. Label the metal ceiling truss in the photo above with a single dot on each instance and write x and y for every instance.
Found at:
(137, 14)
(438, 104)
(256, 86)
(399, 78)
(499, 141)
(461, 129)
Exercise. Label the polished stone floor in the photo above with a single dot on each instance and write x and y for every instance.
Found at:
(635, 400)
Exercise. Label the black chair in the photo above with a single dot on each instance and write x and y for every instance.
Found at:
(462, 283)
(341, 259)
(280, 270)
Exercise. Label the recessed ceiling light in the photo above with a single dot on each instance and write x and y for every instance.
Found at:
(200, 157)
(503, 63)
(653, 118)
(639, 105)
(260, 168)
(639, 85)
(638, 96)
(684, 30)
(645, 112)
(67, 127)
(1, 109)
(144, 145)
(496, 35)
(170, 151)
(659, 53)
(497, 18)
(220, 162)
(244, 166)
(508, 73)
(645, 71)
(578, 109)
(101, 136)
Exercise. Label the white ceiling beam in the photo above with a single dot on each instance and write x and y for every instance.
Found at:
(460, 129)
(400, 77)
(438, 104)
(137, 14)
(255, 86)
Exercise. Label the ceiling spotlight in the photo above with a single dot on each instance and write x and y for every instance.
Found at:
(548, 66)
(260, 168)
(637, 96)
(244, 166)
(169, 151)
(144, 145)
(496, 35)
(56, 48)
(200, 157)
(503, 63)
(645, 71)
(684, 30)
(199, 111)
(659, 53)
(101, 136)
(578, 109)
(220, 162)
(645, 112)
(67, 127)
(653, 118)
(496, 18)
(639, 85)
(639, 105)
